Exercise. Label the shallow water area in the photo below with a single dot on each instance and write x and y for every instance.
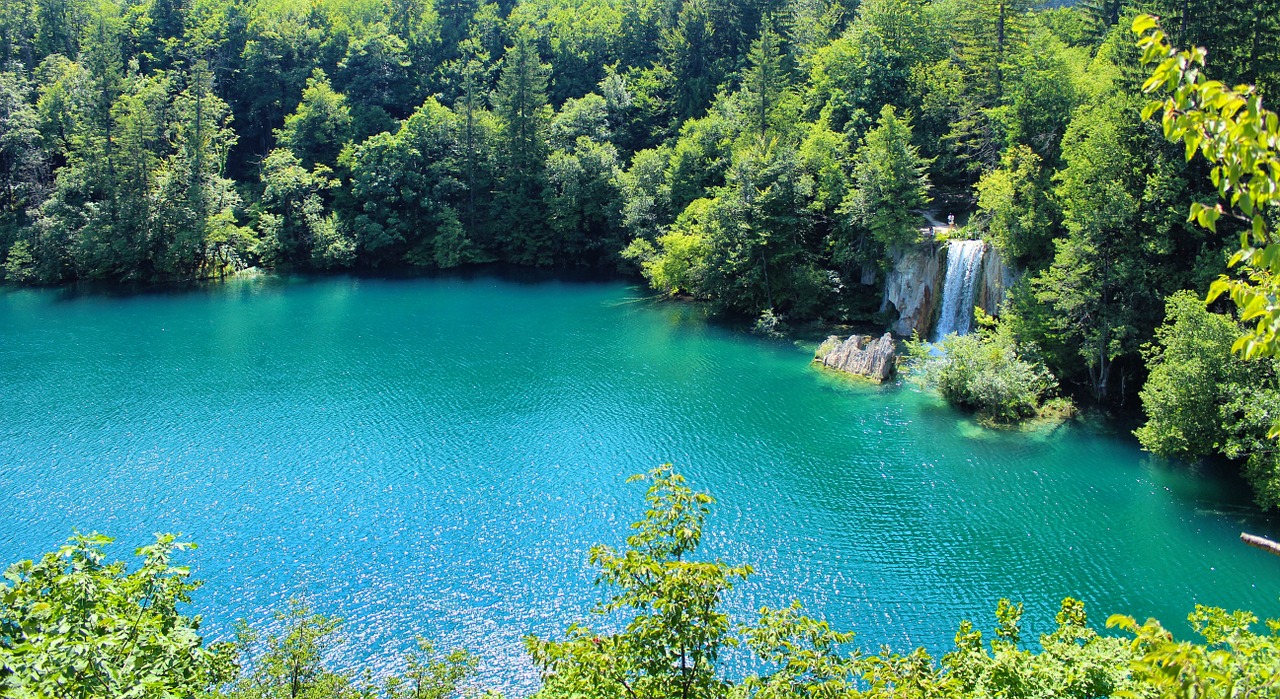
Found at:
(434, 456)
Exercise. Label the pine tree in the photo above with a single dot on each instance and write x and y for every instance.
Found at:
(689, 51)
(1101, 16)
(990, 31)
(473, 75)
(521, 103)
(765, 79)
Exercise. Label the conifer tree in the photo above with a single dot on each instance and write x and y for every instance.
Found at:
(521, 103)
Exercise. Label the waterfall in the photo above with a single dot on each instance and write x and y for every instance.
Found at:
(959, 288)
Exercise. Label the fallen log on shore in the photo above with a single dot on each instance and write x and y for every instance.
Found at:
(1261, 542)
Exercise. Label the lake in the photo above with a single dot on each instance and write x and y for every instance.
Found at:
(434, 456)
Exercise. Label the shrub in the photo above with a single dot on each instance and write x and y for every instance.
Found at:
(986, 371)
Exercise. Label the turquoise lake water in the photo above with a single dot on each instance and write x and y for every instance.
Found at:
(435, 456)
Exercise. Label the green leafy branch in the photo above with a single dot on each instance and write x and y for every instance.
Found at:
(1241, 139)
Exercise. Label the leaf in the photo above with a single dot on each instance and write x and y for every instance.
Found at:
(1143, 23)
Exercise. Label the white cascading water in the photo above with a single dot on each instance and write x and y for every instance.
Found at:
(959, 288)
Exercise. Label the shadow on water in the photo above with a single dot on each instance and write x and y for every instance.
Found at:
(254, 279)
(1214, 487)
(1211, 486)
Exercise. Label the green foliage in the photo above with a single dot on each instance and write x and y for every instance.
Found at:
(768, 324)
(674, 635)
(678, 264)
(21, 162)
(987, 371)
(1232, 662)
(292, 662)
(646, 196)
(521, 104)
(289, 663)
(18, 263)
(991, 31)
(1241, 140)
(871, 63)
(1041, 94)
(675, 632)
(1202, 400)
(412, 188)
(292, 222)
(889, 186)
(583, 201)
(765, 82)
(73, 625)
(142, 194)
(320, 126)
(1015, 206)
(1089, 285)
(430, 674)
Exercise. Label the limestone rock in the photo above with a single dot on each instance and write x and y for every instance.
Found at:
(912, 288)
(997, 277)
(860, 355)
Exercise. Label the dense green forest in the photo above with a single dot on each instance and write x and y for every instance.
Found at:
(74, 625)
(773, 158)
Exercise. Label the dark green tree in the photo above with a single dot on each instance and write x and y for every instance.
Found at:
(691, 54)
(521, 104)
(23, 168)
(765, 79)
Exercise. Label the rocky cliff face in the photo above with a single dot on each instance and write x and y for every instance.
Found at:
(996, 279)
(912, 288)
(860, 355)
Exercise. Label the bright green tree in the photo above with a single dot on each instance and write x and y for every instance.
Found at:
(320, 126)
(73, 626)
(291, 662)
(1015, 205)
(987, 371)
(672, 642)
(889, 188)
(1241, 141)
(1202, 400)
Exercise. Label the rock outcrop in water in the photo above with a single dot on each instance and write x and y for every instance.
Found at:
(911, 289)
(860, 355)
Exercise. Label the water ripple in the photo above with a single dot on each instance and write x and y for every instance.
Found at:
(434, 457)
